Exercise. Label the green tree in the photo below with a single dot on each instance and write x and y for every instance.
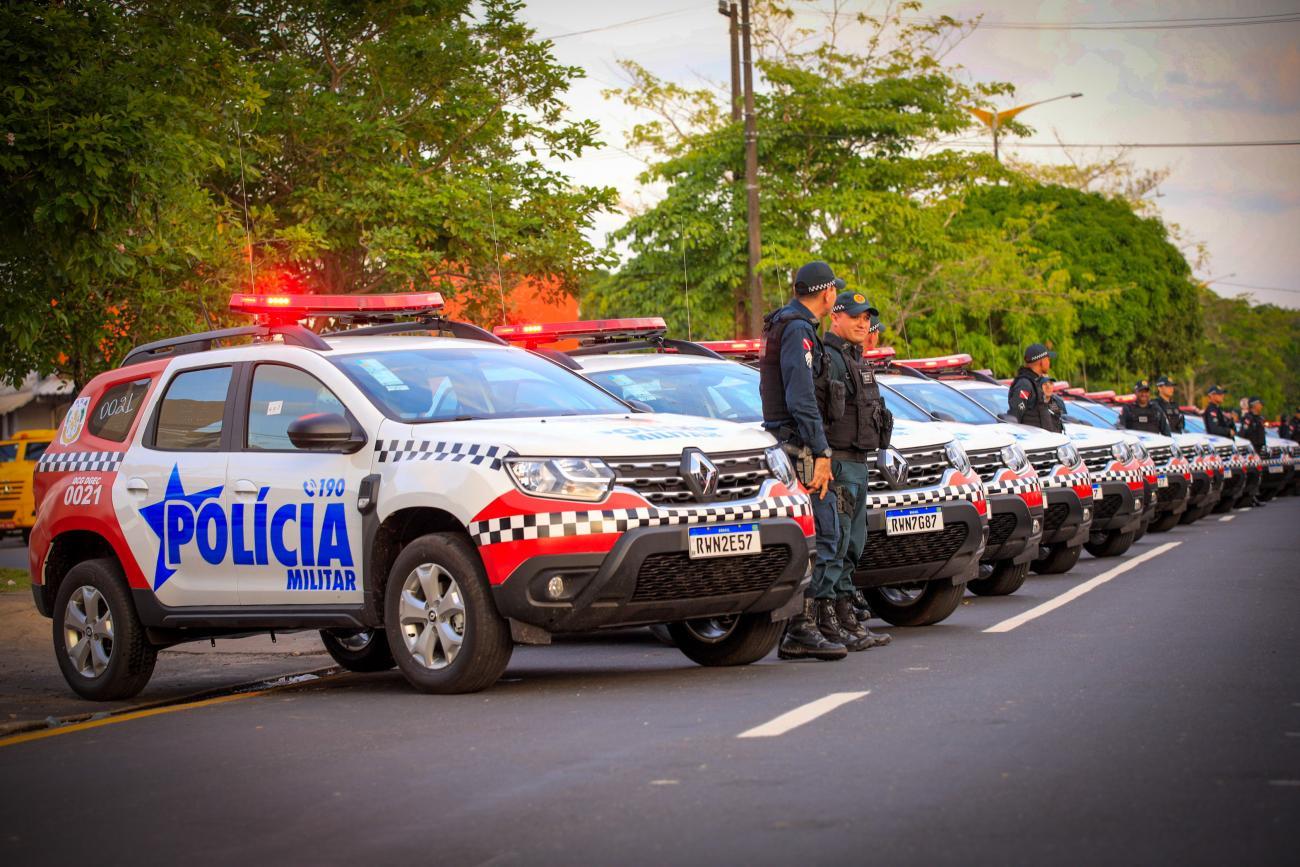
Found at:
(1252, 350)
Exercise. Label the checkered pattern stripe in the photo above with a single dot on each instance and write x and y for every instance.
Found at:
(79, 462)
(395, 451)
(1138, 475)
(1069, 480)
(1013, 486)
(924, 496)
(552, 525)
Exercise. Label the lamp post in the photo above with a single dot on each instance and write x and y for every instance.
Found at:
(994, 119)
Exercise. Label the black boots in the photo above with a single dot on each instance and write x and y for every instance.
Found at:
(846, 613)
(804, 640)
(828, 621)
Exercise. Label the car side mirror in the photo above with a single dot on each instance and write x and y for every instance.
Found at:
(639, 406)
(325, 431)
(943, 416)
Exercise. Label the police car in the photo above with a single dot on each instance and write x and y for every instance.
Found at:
(1231, 464)
(927, 525)
(1279, 465)
(424, 501)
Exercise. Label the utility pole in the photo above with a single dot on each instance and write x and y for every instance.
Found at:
(753, 280)
(728, 8)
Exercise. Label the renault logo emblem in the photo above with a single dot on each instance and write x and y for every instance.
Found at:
(893, 466)
(700, 474)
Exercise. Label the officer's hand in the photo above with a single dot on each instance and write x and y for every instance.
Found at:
(822, 477)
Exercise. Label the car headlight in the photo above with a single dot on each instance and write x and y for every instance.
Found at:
(1139, 451)
(1119, 451)
(1068, 455)
(957, 457)
(1015, 458)
(585, 479)
(779, 463)
(1175, 450)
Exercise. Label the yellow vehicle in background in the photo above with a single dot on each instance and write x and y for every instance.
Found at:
(18, 458)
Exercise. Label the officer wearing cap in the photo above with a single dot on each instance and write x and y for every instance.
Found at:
(1055, 404)
(859, 426)
(1141, 414)
(1252, 424)
(874, 333)
(1026, 400)
(1166, 404)
(793, 385)
(1289, 428)
(1217, 421)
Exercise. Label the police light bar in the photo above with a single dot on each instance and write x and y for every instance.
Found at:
(1101, 396)
(959, 363)
(1061, 385)
(1126, 398)
(879, 355)
(751, 348)
(290, 308)
(1076, 392)
(600, 329)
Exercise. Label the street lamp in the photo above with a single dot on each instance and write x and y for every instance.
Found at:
(994, 119)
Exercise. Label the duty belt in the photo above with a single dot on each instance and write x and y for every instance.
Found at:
(857, 456)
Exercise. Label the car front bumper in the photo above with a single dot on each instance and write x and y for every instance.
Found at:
(1068, 517)
(953, 552)
(1172, 499)
(1117, 508)
(1015, 529)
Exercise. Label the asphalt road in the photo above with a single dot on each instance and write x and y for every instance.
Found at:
(1153, 718)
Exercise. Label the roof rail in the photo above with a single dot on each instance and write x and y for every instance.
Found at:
(294, 335)
(659, 344)
(463, 330)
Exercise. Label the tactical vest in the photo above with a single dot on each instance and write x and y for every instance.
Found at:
(771, 384)
(1217, 421)
(1142, 417)
(1252, 428)
(1039, 415)
(1172, 412)
(855, 411)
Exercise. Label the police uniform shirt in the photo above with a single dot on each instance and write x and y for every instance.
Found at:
(801, 358)
(1026, 403)
(1149, 418)
(1172, 413)
(1217, 421)
(1252, 428)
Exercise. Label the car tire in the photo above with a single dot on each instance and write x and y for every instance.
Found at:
(99, 642)
(1191, 516)
(442, 626)
(1061, 559)
(1224, 505)
(662, 634)
(360, 650)
(909, 605)
(1115, 544)
(1165, 522)
(719, 641)
(1006, 579)
(1141, 530)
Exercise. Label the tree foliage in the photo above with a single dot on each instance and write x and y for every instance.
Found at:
(1251, 350)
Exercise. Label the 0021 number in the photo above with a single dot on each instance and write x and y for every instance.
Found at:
(86, 494)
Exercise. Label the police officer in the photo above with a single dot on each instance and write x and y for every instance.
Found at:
(874, 333)
(859, 424)
(1217, 421)
(1166, 404)
(1142, 414)
(1289, 428)
(1252, 428)
(792, 378)
(1055, 404)
(1026, 400)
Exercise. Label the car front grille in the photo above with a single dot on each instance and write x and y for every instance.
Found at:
(1054, 517)
(925, 469)
(1244, 451)
(1043, 460)
(1098, 458)
(1199, 485)
(1224, 452)
(885, 552)
(674, 575)
(987, 463)
(1166, 495)
(14, 494)
(1161, 455)
(659, 479)
(1108, 507)
(1000, 529)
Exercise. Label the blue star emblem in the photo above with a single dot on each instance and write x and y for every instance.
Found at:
(155, 517)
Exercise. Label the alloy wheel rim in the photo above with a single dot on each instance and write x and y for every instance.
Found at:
(712, 629)
(88, 632)
(355, 642)
(431, 615)
(903, 594)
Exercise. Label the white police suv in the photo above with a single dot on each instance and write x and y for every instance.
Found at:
(424, 501)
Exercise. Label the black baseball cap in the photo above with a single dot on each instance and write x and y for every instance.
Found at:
(854, 304)
(879, 327)
(1036, 351)
(1214, 389)
(813, 278)
(1254, 400)
(1164, 380)
(1142, 385)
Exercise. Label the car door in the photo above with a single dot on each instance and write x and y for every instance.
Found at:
(170, 494)
(294, 509)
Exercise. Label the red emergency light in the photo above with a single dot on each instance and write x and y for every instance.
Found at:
(291, 308)
(959, 363)
(1076, 392)
(1100, 396)
(1061, 385)
(1126, 398)
(879, 355)
(751, 348)
(604, 329)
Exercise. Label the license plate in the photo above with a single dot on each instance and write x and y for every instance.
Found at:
(8, 525)
(1162, 482)
(1096, 491)
(904, 522)
(1275, 469)
(1227, 474)
(724, 540)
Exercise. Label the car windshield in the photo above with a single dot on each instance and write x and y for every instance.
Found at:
(936, 398)
(427, 385)
(901, 407)
(8, 452)
(1193, 423)
(1100, 415)
(726, 391)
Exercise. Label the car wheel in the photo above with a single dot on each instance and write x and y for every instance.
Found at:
(98, 640)
(916, 604)
(1061, 559)
(358, 649)
(1165, 522)
(1006, 579)
(443, 629)
(662, 635)
(737, 640)
(1114, 544)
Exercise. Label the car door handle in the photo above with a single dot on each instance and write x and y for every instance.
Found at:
(137, 486)
(244, 486)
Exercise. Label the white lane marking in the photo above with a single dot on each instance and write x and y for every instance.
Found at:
(1075, 592)
(1226, 518)
(805, 713)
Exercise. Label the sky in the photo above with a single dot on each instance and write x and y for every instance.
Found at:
(1165, 85)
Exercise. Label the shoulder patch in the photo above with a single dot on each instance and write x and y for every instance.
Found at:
(1024, 395)
(807, 344)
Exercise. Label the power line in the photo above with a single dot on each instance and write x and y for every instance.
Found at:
(1169, 144)
(626, 23)
(1255, 288)
(1147, 23)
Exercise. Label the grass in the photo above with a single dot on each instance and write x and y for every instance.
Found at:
(21, 581)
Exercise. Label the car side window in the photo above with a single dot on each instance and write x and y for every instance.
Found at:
(280, 395)
(190, 414)
(116, 409)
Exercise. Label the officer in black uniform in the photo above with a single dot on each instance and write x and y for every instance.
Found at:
(1142, 414)
(1217, 421)
(1055, 404)
(859, 425)
(1289, 428)
(874, 333)
(793, 385)
(1166, 404)
(1252, 428)
(1026, 400)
